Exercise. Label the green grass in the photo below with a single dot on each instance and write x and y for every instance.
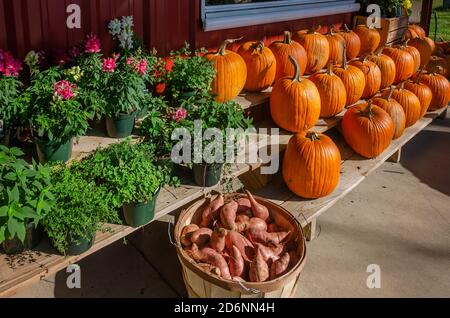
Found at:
(443, 22)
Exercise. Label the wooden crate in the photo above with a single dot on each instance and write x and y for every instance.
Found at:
(392, 29)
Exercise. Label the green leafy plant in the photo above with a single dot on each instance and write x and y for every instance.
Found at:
(82, 208)
(25, 194)
(52, 108)
(191, 73)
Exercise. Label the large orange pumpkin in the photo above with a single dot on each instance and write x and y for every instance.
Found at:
(409, 34)
(261, 66)
(295, 102)
(372, 75)
(422, 91)
(353, 79)
(231, 72)
(387, 67)
(282, 50)
(337, 44)
(332, 92)
(440, 87)
(311, 165)
(370, 39)
(424, 49)
(404, 63)
(410, 103)
(431, 44)
(352, 42)
(417, 30)
(395, 110)
(367, 129)
(317, 50)
(413, 52)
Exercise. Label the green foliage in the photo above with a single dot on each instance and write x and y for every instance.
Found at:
(25, 194)
(9, 94)
(191, 73)
(81, 208)
(52, 118)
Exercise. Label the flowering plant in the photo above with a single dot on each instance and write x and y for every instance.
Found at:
(52, 107)
(122, 30)
(9, 88)
(162, 68)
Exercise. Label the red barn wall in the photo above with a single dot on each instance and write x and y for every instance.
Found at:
(162, 24)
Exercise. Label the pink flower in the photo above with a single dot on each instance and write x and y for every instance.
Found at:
(142, 67)
(92, 45)
(65, 90)
(179, 115)
(130, 61)
(8, 65)
(109, 65)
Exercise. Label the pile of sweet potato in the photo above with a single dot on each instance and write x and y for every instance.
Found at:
(239, 240)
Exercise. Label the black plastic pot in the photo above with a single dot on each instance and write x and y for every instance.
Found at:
(140, 213)
(33, 237)
(120, 127)
(207, 175)
(80, 245)
(49, 151)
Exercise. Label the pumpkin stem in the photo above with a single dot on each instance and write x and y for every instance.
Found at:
(401, 86)
(405, 44)
(287, 37)
(346, 29)
(260, 46)
(419, 76)
(223, 46)
(296, 69)
(437, 69)
(331, 31)
(368, 111)
(344, 56)
(312, 135)
(330, 68)
(379, 50)
(391, 91)
(314, 29)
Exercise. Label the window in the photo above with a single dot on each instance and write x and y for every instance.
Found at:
(225, 14)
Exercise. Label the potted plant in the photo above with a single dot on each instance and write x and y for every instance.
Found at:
(55, 115)
(81, 209)
(191, 75)
(25, 198)
(9, 92)
(128, 173)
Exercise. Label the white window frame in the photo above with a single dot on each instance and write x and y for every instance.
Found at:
(218, 17)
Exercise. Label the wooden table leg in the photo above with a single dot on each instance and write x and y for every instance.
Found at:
(310, 230)
(395, 158)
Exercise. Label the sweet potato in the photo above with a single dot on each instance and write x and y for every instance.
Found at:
(271, 252)
(242, 243)
(218, 239)
(210, 256)
(228, 215)
(186, 234)
(259, 270)
(279, 267)
(258, 236)
(216, 204)
(201, 236)
(257, 224)
(259, 210)
(242, 221)
(243, 205)
(236, 263)
(207, 217)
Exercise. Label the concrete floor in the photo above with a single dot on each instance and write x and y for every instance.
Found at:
(398, 219)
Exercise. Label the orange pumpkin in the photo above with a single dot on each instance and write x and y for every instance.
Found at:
(410, 103)
(418, 30)
(282, 50)
(337, 44)
(404, 63)
(311, 165)
(372, 75)
(370, 39)
(261, 66)
(367, 129)
(231, 72)
(387, 67)
(431, 44)
(352, 42)
(413, 52)
(395, 110)
(332, 92)
(440, 87)
(424, 49)
(317, 50)
(295, 102)
(353, 79)
(439, 64)
(422, 91)
(409, 34)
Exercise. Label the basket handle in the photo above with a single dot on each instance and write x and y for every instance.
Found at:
(248, 289)
(169, 233)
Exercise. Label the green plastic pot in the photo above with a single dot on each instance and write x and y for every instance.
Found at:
(49, 151)
(207, 175)
(33, 237)
(137, 214)
(78, 245)
(120, 127)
